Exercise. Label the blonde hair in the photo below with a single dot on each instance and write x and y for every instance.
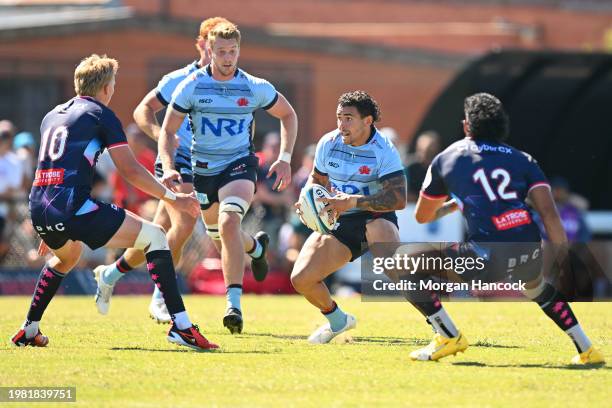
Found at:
(93, 73)
(208, 25)
(227, 31)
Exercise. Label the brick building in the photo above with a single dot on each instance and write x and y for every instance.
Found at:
(402, 52)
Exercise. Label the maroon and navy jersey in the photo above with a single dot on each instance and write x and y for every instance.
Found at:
(490, 182)
(73, 135)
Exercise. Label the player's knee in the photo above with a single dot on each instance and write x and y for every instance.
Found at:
(229, 224)
(151, 238)
(300, 280)
(182, 230)
(297, 281)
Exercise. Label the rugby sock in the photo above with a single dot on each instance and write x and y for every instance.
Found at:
(157, 295)
(161, 269)
(337, 318)
(31, 328)
(257, 249)
(48, 283)
(181, 320)
(443, 324)
(426, 302)
(560, 312)
(233, 295)
(113, 273)
(579, 337)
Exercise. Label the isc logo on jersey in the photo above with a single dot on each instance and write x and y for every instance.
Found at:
(231, 126)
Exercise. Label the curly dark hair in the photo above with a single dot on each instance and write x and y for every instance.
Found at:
(365, 104)
(486, 117)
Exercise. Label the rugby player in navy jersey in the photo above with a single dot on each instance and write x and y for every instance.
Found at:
(220, 100)
(489, 181)
(364, 169)
(178, 225)
(64, 215)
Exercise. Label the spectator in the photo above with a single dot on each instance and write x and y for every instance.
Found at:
(427, 147)
(8, 126)
(571, 216)
(293, 233)
(24, 147)
(11, 177)
(301, 175)
(274, 204)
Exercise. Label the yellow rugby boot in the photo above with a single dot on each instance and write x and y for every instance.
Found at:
(591, 356)
(440, 347)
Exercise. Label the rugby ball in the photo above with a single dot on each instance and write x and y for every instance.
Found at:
(310, 208)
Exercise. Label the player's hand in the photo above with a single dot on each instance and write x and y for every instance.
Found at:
(186, 203)
(43, 249)
(339, 203)
(171, 179)
(283, 175)
(298, 211)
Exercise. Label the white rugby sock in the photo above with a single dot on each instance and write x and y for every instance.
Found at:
(443, 324)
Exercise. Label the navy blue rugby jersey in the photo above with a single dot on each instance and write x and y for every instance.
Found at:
(490, 182)
(73, 135)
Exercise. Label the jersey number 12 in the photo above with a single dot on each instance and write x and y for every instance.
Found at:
(498, 174)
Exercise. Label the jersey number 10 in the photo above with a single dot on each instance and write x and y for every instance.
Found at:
(481, 177)
(55, 146)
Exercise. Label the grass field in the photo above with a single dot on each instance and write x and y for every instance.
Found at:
(517, 356)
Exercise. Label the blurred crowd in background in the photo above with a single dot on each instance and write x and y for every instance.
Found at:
(271, 210)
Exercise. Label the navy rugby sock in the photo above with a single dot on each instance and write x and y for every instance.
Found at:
(46, 287)
(559, 311)
(161, 269)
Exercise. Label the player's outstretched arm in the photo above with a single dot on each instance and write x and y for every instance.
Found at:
(283, 110)
(429, 210)
(544, 204)
(166, 146)
(138, 176)
(144, 115)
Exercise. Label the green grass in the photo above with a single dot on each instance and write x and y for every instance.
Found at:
(517, 358)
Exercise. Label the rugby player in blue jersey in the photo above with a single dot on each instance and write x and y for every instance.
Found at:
(178, 225)
(220, 100)
(490, 181)
(365, 170)
(64, 215)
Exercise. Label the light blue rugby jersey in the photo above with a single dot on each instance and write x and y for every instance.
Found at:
(221, 115)
(165, 89)
(357, 169)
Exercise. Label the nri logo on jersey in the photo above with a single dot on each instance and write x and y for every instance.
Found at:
(231, 127)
